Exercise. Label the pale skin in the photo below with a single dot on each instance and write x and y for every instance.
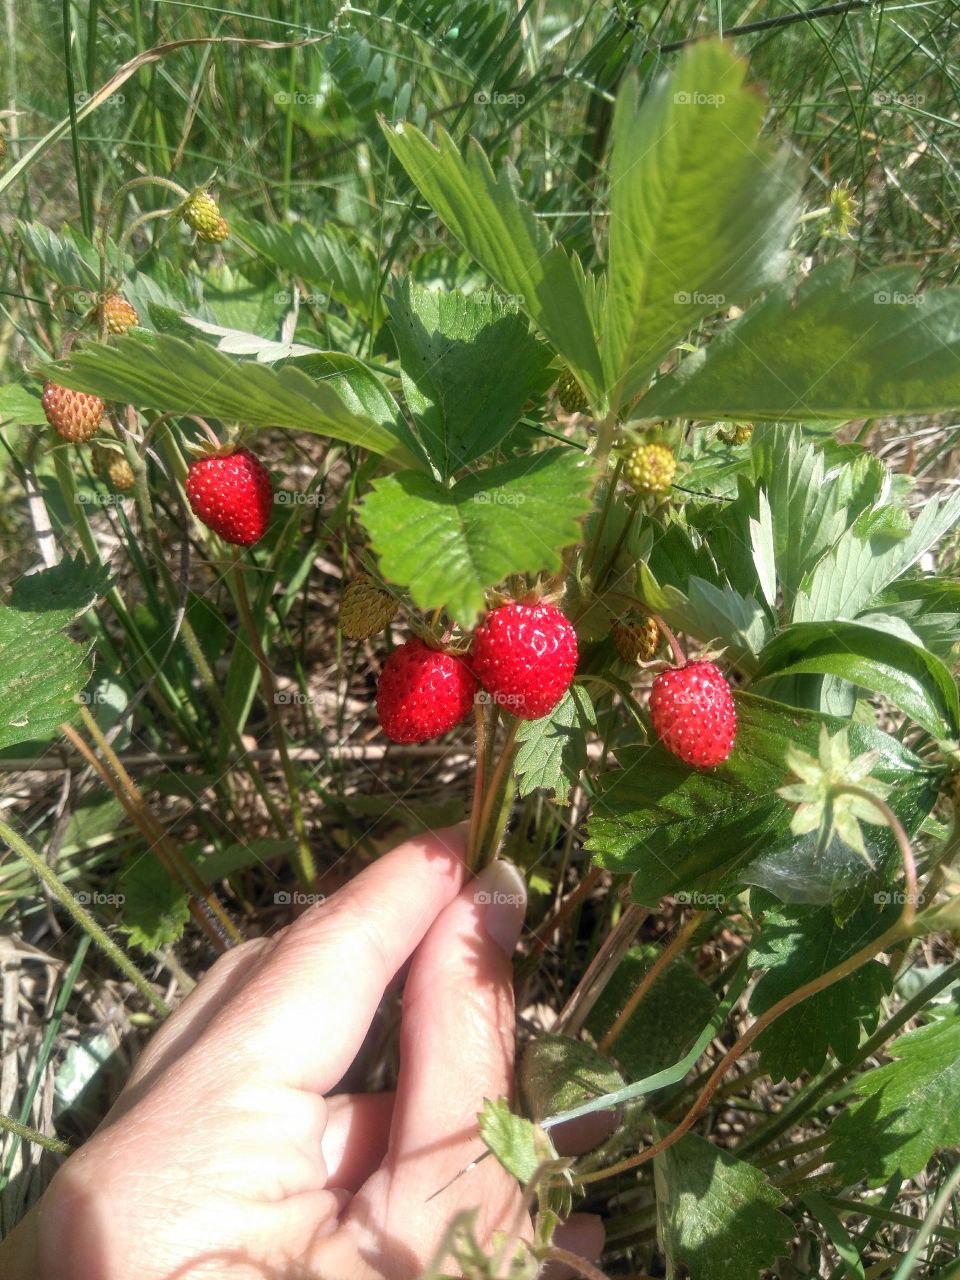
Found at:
(224, 1157)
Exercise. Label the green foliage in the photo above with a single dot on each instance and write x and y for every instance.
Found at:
(689, 186)
(171, 375)
(827, 349)
(717, 1215)
(675, 828)
(155, 909)
(558, 1073)
(797, 944)
(469, 364)
(553, 750)
(909, 1109)
(520, 1146)
(449, 544)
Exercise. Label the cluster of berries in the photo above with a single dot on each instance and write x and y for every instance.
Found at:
(523, 657)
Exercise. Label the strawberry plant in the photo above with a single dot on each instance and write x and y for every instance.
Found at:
(602, 507)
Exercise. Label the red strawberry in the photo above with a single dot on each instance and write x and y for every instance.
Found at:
(525, 656)
(693, 713)
(423, 692)
(231, 494)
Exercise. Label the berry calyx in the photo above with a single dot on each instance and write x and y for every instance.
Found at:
(650, 468)
(525, 656)
(572, 397)
(113, 469)
(365, 608)
(232, 494)
(119, 314)
(202, 213)
(74, 415)
(693, 713)
(635, 641)
(423, 692)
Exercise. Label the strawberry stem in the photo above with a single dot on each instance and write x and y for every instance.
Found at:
(478, 780)
(678, 655)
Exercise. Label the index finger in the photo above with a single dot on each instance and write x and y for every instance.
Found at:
(302, 1017)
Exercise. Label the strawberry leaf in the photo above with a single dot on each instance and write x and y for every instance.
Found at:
(553, 750)
(174, 376)
(832, 348)
(910, 1108)
(678, 828)
(797, 944)
(718, 1216)
(676, 256)
(449, 544)
(449, 343)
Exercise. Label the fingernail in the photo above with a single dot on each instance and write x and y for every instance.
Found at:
(500, 890)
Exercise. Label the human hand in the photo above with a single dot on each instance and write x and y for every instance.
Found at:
(224, 1158)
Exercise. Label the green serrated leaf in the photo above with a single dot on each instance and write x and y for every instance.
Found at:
(910, 1108)
(831, 348)
(18, 407)
(553, 750)
(490, 220)
(469, 365)
(448, 545)
(718, 1216)
(680, 828)
(520, 1145)
(795, 945)
(174, 376)
(907, 675)
(558, 1073)
(676, 253)
(156, 909)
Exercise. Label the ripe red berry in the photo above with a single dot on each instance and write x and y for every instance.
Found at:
(525, 656)
(423, 692)
(231, 494)
(693, 713)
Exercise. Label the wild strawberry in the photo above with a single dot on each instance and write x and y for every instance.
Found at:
(202, 213)
(365, 608)
(231, 494)
(525, 656)
(119, 314)
(636, 641)
(650, 468)
(73, 415)
(572, 397)
(693, 713)
(113, 469)
(423, 692)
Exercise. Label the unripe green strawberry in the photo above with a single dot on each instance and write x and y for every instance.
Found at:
(365, 608)
(202, 214)
(113, 469)
(74, 415)
(740, 433)
(572, 397)
(650, 468)
(636, 641)
(3, 148)
(119, 314)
